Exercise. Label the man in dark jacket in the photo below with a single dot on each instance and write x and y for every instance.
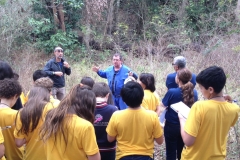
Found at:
(56, 68)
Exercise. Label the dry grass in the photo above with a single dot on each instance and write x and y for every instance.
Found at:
(28, 61)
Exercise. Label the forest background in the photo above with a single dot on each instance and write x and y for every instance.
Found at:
(148, 33)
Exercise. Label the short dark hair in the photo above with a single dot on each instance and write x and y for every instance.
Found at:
(132, 94)
(212, 77)
(9, 88)
(148, 80)
(87, 81)
(101, 89)
(5, 70)
(39, 74)
(118, 55)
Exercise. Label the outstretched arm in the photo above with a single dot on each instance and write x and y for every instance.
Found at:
(101, 73)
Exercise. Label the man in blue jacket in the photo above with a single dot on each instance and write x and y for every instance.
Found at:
(115, 75)
(55, 69)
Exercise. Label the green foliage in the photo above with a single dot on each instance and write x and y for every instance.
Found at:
(47, 35)
(2, 2)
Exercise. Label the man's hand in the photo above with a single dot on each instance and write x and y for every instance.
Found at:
(58, 73)
(65, 64)
(95, 68)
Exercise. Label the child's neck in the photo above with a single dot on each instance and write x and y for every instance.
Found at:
(100, 99)
(217, 97)
(5, 103)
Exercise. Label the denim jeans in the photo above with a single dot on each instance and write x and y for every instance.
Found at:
(173, 141)
(136, 157)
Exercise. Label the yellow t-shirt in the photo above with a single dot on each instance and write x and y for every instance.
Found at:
(23, 98)
(34, 147)
(1, 142)
(135, 131)
(54, 101)
(150, 100)
(80, 137)
(209, 121)
(7, 118)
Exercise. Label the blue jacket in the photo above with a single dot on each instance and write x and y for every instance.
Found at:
(53, 66)
(170, 81)
(119, 78)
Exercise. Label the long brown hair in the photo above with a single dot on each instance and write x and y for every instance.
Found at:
(184, 75)
(80, 101)
(32, 111)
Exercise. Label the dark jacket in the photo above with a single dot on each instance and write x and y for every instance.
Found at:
(53, 66)
(18, 104)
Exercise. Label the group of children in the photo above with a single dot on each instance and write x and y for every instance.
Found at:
(87, 125)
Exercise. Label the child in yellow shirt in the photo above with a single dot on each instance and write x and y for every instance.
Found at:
(68, 130)
(205, 131)
(30, 119)
(10, 91)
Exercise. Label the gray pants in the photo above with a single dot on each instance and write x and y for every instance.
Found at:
(58, 93)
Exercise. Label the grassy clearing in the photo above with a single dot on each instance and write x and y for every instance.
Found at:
(224, 56)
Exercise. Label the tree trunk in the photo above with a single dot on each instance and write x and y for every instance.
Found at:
(61, 17)
(88, 27)
(55, 16)
(182, 9)
(237, 11)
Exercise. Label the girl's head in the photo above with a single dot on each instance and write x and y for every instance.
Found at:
(80, 101)
(183, 80)
(5, 70)
(183, 75)
(87, 81)
(33, 109)
(147, 81)
(10, 89)
(101, 89)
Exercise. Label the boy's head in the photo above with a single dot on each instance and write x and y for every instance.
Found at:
(212, 78)
(45, 82)
(132, 94)
(39, 74)
(5, 70)
(87, 81)
(101, 89)
(10, 88)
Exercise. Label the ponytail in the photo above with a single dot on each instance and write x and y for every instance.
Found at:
(187, 93)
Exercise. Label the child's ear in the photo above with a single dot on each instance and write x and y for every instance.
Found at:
(211, 90)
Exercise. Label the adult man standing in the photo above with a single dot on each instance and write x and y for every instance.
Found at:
(179, 62)
(116, 76)
(56, 68)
